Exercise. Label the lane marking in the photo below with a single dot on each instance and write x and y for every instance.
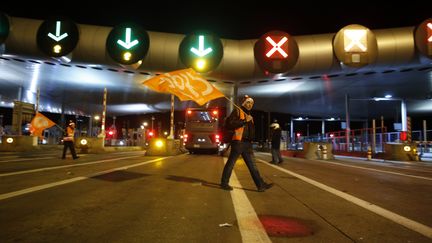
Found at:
(65, 166)
(408, 223)
(371, 169)
(18, 160)
(376, 170)
(75, 179)
(250, 226)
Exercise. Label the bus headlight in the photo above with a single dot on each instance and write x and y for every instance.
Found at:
(83, 142)
(9, 140)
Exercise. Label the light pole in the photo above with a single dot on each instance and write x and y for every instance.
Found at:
(152, 119)
(143, 127)
(97, 118)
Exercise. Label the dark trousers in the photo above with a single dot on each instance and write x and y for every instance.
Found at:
(71, 146)
(245, 150)
(276, 156)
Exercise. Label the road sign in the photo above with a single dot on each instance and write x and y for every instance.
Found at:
(127, 43)
(355, 45)
(57, 37)
(276, 52)
(4, 27)
(202, 52)
(423, 37)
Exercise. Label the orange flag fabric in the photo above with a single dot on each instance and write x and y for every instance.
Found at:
(186, 84)
(39, 123)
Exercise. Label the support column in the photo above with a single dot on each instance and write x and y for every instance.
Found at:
(292, 131)
(102, 133)
(322, 128)
(347, 123)
(373, 136)
(171, 135)
(404, 116)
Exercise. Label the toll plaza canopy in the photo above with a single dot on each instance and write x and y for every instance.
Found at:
(313, 75)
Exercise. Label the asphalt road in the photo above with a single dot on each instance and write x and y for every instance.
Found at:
(129, 197)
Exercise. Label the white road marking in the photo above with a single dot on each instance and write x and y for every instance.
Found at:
(408, 223)
(25, 159)
(63, 182)
(250, 226)
(377, 170)
(64, 166)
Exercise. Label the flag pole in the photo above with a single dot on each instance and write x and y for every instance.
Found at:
(233, 103)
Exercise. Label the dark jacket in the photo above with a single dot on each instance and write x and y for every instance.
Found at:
(276, 138)
(235, 122)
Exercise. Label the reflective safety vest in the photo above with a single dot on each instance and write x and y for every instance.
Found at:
(238, 133)
(70, 132)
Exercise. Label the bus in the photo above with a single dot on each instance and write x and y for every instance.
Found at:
(202, 130)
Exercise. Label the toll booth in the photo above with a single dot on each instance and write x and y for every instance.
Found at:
(22, 114)
(89, 144)
(164, 147)
(318, 150)
(18, 143)
(401, 152)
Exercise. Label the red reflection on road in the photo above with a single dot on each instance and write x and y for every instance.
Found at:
(284, 226)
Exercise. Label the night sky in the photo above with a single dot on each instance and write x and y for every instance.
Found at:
(245, 20)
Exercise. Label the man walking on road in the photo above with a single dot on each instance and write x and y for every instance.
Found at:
(244, 133)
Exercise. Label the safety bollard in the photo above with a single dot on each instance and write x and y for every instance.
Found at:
(369, 153)
(324, 152)
(416, 155)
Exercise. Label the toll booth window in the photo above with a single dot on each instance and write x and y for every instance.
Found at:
(200, 116)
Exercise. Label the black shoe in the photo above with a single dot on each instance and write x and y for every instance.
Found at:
(226, 187)
(76, 157)
(265, 186)
(268, 185)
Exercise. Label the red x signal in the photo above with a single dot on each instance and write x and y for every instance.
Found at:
(276, 50)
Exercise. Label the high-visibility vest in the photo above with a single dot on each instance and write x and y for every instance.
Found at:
(238, 133)
(70, 133)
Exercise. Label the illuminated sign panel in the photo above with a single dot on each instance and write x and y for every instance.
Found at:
(276, 52)
(202, 52)
(355, 40)
(4, 27)
(355, 45)
(127, 43)
(423, 37)
(57, 37)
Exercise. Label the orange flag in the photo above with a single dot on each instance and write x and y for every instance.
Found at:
(186, 84)
(39, 123)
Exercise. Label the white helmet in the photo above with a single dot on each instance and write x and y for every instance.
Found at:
(274, 125)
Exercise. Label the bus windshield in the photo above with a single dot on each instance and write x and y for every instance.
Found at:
(201, 116)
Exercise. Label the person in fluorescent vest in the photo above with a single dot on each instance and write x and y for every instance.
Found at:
(68, 141)
(241, 144)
